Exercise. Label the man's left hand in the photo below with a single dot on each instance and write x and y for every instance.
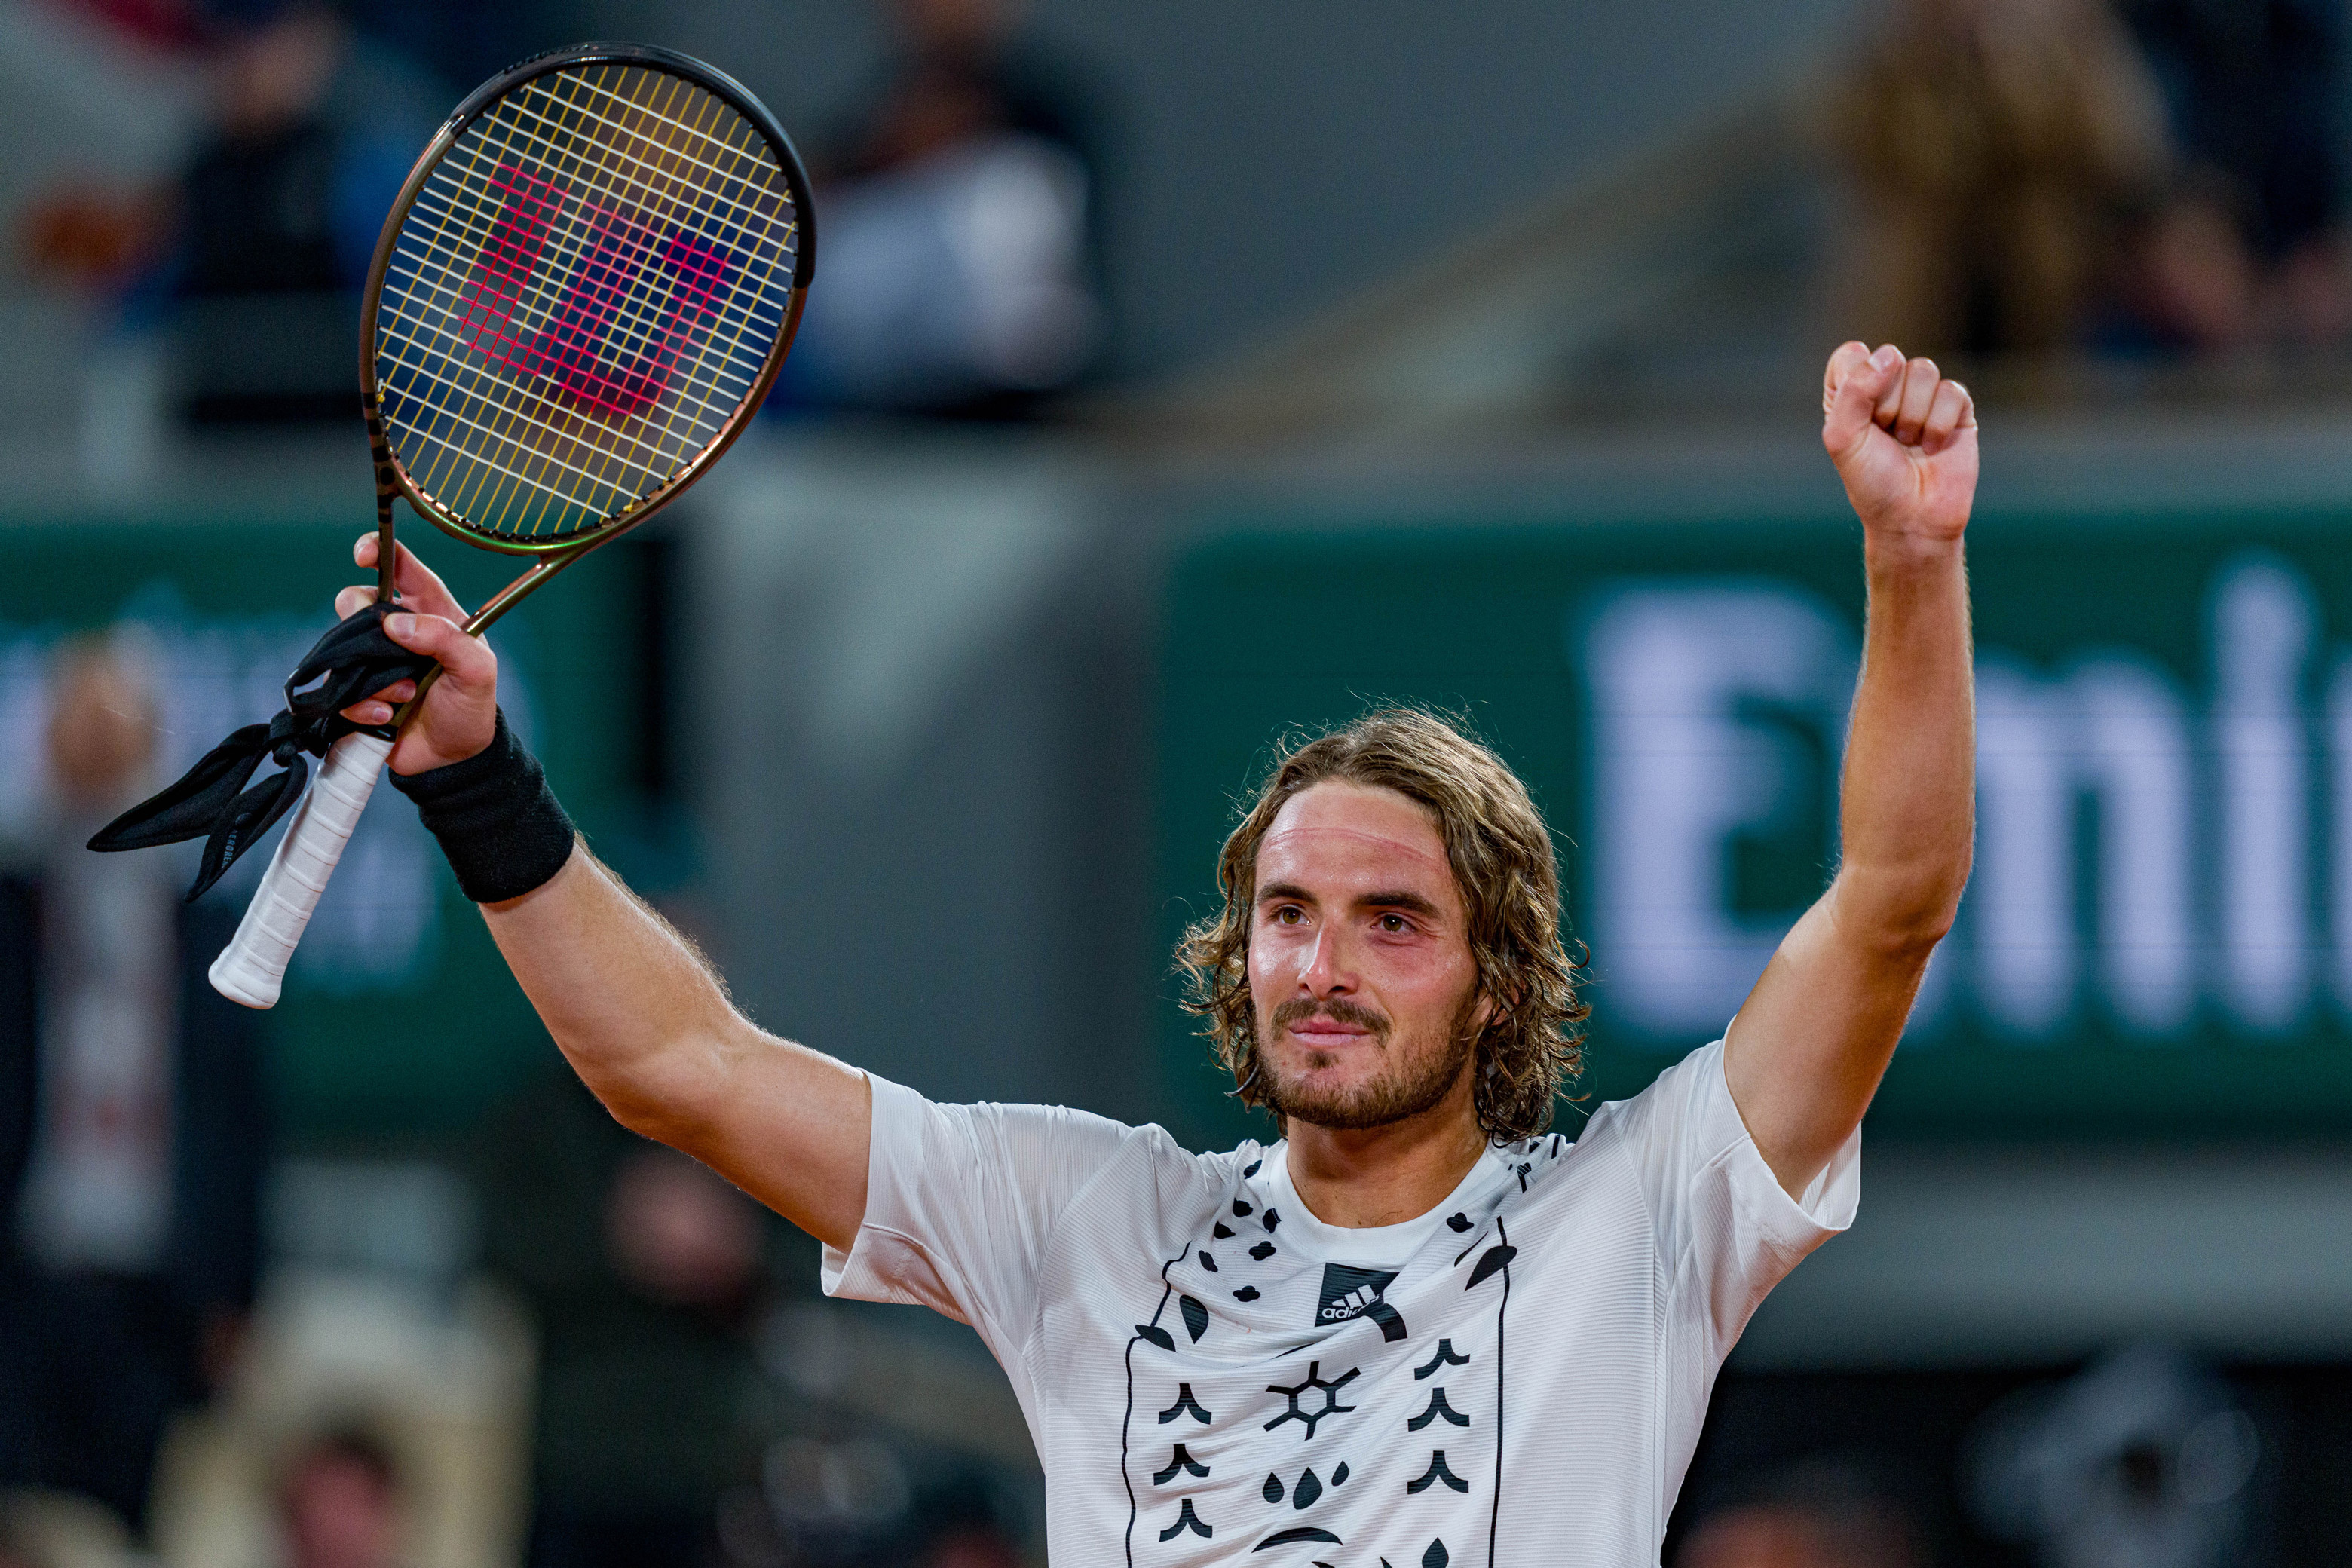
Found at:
(1904, 442)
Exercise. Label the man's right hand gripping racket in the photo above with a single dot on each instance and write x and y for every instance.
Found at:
(584, 290)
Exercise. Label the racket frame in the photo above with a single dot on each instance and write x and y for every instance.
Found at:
(392, 479)
(252, 968)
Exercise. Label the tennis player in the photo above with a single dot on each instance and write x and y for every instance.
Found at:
(1418, 1329)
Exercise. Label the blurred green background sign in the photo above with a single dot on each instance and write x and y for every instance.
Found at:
(2158, 937)
(399, 1016)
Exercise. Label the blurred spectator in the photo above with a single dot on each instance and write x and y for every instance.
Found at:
(2005, 153)
(340, 1504)
(959, 227)
(2146, 1459)
(646, 1273)
(278, 217)
(254, 257)
(1819, 1514)
(856, 1499)
(2253, 91)
(132, 1123)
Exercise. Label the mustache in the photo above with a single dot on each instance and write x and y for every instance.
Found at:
(1339, 1009)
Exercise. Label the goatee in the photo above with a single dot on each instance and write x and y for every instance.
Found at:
(1409, 1086)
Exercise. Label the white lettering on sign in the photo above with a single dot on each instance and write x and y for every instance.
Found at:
(2136, 856)
(1681, 765)
(2338, 721)
(2262, 635)
(2114, 729)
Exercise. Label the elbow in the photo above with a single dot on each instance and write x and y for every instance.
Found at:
(1919, 933)
(684, 1122)
(669, 1091)
(635, 1103)
(1903, 918)
(646, 1116)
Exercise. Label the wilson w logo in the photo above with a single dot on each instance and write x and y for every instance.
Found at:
(638, 302)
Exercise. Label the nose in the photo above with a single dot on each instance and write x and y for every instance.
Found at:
(1327, 971)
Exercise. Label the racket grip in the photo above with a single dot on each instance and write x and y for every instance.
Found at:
(252, 967)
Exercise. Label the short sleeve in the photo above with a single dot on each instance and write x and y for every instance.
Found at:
(1727, 1230)
(960, 1201)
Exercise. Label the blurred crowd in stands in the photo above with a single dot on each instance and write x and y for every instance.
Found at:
(133, 1128)
(960, 226)
(961, 207)
(2127, 180)
(2142, 178)
(166, 1382)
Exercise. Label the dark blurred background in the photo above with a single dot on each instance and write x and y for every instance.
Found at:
(1173, 376)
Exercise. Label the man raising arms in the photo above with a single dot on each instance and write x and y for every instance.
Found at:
(1416, 1331)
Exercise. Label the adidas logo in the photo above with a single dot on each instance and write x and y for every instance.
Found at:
(1350, 1292)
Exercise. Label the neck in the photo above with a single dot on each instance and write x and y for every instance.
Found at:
(1386, 1175)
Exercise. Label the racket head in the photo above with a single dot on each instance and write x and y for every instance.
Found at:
(586, 286)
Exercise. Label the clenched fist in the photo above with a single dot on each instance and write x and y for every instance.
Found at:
(1904, 442)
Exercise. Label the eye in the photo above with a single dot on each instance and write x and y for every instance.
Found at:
(1288, 915)
(1395, 924)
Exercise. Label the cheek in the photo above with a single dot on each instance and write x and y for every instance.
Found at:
(1269, 965)
(1430, 983)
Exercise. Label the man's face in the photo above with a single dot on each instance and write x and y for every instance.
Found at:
(1359, 965)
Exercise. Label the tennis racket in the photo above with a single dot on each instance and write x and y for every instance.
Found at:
(585, 287)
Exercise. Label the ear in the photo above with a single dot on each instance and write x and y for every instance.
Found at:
(1488, 1010)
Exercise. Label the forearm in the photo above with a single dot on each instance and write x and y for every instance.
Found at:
(649, 1029)
(1809, 1047)
(1909, 800)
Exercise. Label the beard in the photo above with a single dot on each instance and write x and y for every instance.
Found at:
(1410, 1081)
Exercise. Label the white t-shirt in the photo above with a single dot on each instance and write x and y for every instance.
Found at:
(1212, 1376)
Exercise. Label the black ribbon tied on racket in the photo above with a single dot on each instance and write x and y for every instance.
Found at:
(353, 660)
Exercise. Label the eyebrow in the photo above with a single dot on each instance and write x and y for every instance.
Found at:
(1398, 900)
(1390, 899)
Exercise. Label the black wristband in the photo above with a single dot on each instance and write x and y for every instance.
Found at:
(500, 826)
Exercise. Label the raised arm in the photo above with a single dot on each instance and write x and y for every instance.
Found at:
(1810, 1045)
(640, 1015)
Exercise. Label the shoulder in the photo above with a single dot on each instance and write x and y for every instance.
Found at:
(1630, 1151)
(1146, 1164)
(1701, 1175)
(1689, 1099)
(1053, 1146)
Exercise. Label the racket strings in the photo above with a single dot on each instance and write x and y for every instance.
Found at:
(666, 145)
(419, 354)
(572, 246)
(571, 251)
(595, 275)
(763, 163)
(712, 225)
(544, 441)
(641, 189)
(759, 159)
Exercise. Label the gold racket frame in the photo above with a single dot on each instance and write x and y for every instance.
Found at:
(392, 478)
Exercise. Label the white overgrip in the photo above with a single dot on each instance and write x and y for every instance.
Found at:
(252, 967)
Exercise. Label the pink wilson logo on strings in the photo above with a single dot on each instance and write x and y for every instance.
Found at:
(574, 350)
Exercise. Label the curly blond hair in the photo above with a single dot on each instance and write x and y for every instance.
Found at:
(1532, 1047)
